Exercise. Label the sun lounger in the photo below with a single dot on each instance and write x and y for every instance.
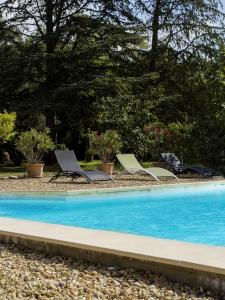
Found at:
(176, 166)
(70, 168)
(132, 166)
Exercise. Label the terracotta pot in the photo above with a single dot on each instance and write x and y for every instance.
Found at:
(34, 170)
(106, 167)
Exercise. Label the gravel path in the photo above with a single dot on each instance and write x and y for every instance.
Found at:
(65, 184)
(28, 275)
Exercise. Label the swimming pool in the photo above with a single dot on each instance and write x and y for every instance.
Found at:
(193, 213)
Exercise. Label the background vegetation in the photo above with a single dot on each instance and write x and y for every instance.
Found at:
(154, 70)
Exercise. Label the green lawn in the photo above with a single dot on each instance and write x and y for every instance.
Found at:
(48, 170)
(51, 170)
(20, 171)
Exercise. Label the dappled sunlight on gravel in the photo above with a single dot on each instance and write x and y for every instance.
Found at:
(65, 184)
(25, 274)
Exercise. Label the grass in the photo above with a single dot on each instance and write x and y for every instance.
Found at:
(20, 171)
(90, 166)
(6, 171)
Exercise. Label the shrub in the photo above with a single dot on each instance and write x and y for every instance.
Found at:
(106, 144)
(7, 126)
(34, 144)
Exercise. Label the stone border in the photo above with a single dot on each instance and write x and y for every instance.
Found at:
(145, 187)
(193, 264)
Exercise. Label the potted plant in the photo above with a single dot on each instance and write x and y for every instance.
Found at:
(33, 145)
(106, 145)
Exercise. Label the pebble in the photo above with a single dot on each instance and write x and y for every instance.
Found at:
(30, 275)
(64, 184)
(13, 177)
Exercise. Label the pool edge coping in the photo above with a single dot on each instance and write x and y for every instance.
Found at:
(181, 254)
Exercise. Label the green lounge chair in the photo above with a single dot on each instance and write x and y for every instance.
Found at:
(132, 166)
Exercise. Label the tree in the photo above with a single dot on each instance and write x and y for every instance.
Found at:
(129, 109)
(194, 96)
(186, 26)
(113, 64)
(56, 66)
(54, 24)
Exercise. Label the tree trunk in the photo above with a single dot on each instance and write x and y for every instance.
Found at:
(155, 31)
(50, 44)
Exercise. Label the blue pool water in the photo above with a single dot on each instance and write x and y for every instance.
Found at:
(193, 213)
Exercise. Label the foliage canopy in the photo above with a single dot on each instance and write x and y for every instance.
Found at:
(118, 65)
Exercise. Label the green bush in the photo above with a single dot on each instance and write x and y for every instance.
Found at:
(34, 144)
(106, 144)
(7, 126)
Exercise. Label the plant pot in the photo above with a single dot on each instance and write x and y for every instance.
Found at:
(106, 167)
(34, 170)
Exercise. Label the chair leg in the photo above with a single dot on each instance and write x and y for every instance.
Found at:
(88, 180)
(82, 175)
(119, 174)
(55, 177)
(74, 177)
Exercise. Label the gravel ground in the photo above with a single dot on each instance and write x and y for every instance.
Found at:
(65, 184)
(25, 274)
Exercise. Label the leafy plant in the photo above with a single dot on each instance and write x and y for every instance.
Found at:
(7, 126)
(106, 144)
(33, 144)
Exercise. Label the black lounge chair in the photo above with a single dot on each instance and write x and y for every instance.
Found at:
(70, 168)
(177, 167)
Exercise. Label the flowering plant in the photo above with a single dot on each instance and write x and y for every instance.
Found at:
(167, 137)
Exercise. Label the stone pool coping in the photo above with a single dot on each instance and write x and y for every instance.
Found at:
(190, 263)
(144, 187)
(194, 264)
(158, 250)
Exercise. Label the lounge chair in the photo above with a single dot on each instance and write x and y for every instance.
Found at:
(70, 168)
(176, 166)
(132, 166)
